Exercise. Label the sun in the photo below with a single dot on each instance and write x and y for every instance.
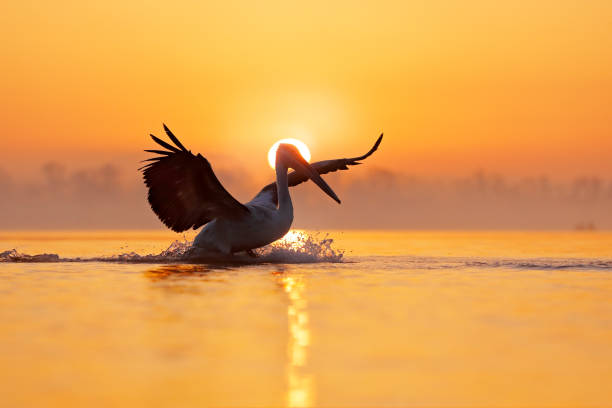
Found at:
(301, 146)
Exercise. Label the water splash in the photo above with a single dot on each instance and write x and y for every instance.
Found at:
(300, 247)
(178, 251)
(14, 256)
(295, 247)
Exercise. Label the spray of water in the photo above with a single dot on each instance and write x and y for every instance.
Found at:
(295, 247)
(301, 247)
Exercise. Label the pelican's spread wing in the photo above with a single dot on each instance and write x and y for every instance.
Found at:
(269, 194)
(183, 189)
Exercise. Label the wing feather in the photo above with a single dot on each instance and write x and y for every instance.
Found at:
(174, 138)
(161, 152)
(184, 191)
(164, 144)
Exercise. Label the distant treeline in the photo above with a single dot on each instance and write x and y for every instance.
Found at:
(107, 196)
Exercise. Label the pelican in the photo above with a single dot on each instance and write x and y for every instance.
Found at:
(185, 193)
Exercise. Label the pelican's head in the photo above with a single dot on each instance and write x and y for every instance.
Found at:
(290, 156)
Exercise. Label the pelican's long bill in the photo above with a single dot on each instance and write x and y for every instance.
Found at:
(313, 174)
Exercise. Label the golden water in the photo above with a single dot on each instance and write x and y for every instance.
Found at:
(409, 319)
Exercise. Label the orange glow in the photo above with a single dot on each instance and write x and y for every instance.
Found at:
(301, 146)
(517, 88)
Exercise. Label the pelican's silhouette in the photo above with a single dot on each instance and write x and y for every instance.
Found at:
(185, 193)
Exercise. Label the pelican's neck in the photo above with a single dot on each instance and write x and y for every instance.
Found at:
(282, 187)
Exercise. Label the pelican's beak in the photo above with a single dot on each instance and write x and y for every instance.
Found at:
(316, 178)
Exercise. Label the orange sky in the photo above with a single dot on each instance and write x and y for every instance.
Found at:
(520, 88)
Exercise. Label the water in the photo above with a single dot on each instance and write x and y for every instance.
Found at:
(395, 319)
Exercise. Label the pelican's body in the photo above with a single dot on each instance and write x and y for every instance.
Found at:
(264, 224)
(185, 193)
(227, 236)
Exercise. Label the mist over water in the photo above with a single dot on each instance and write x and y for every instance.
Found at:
(113, 196)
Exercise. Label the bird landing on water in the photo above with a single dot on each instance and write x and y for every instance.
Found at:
(185, 193)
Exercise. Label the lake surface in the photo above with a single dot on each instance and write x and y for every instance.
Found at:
(435, 319)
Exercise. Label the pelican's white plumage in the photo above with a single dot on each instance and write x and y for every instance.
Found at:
(185, 193)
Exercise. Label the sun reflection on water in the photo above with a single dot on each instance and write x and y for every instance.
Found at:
(299, 393)
(294, 238)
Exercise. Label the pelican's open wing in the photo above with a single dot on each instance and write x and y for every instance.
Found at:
(269, 194)
(183, 189)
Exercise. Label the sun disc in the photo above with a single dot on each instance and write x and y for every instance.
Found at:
(301, 146)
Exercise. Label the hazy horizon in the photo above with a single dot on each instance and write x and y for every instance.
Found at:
(109, 196)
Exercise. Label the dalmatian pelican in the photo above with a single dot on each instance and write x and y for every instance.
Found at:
(185, 193)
